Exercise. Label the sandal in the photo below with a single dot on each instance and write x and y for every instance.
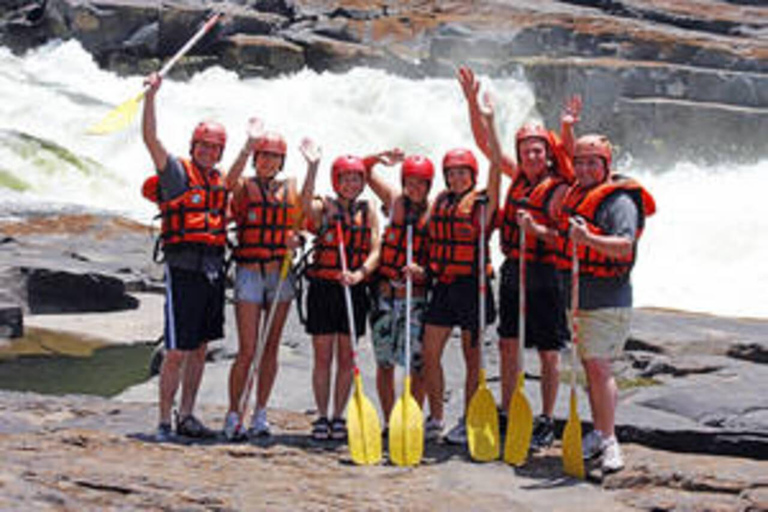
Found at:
(321, 429)
(338, 429)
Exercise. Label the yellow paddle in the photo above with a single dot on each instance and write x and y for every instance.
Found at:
(573, 459)
(520, 416)
(482, 417)
(363, 425)
(121, 116)
(406, 422)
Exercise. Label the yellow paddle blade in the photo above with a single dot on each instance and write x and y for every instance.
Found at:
(483, 424)
(573, 459)
(406, 429)
(120, 117)
(519, 426)
(363, 428)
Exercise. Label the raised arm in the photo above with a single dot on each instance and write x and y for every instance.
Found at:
(149, 123)
(471, 86)
(383, 190)
(496, 157)
(571, 116)
(255, 129)
(311, 208)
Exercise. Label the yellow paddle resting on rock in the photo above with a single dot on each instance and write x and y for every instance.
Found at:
(122, 115)
(519, 415)
(573, 459)
(363, 425)
(482, 416)
(406, 422)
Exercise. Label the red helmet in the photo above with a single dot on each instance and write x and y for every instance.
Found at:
(594, 145)
(343, 165)
(271, 142)
(210, 131)
(531, 131)
(150, 187)
(460, 157)
(417, 166)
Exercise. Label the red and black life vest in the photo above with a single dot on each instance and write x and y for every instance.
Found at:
(265, 221)
(517, 197)
(197, 216)
(357, 240)
(453, 235)
(395, 241)
(586, 203)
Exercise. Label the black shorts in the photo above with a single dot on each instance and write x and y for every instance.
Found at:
(194, 308)
(327, 307)
(457, 304)
(546, 327)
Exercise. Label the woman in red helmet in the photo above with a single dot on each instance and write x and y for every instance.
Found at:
(265, 210)
(539, 179)
(410, 205)
(454, 227)
(604, 215)
(326, 308)
(192, 197)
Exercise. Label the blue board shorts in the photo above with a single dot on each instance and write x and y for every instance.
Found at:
(388, 330)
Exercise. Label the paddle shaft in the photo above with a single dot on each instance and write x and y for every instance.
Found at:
(522, 309)
(188, 46)
(348, 298)
(408, 296)
(482, 285)
(574, 309)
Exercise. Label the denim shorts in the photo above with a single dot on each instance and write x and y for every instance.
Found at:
(253, 286)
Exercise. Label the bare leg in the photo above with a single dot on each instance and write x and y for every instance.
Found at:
(344, 369)
(435, 338)
(471, 364)
(508, 369)
(321, 371)
(268, 364)
(385, 385)
(550, 380)
(248, 315)
(170, 376)
(192, 374)
(603, 394)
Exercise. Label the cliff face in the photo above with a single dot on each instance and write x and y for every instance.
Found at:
(663, 78)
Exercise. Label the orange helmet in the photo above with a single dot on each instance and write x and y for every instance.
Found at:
(532, 131)
(271, 142)
(594, 145)
(417, 166)
(343, 165)
(460, 157)
(210, 131)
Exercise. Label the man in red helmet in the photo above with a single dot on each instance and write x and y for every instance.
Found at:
(407, 206)
(193, 200)
(327, 319)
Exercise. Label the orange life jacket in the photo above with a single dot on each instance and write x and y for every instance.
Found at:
(395, 241)
(357, 240)
(537, 249)
(264, 221)
(453, 236)
(586, 204)
(517, 197)
(198, 216)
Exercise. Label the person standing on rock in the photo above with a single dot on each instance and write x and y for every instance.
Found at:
(327, 319)
(604, 215)
(540, 178)
(265, 210)
(407, 207)
(192, 197)
(454, 226)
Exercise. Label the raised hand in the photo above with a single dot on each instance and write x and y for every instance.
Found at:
(391, 156)
(572, 110)
(311, 151)
(469, 84)
(255, 128)
(486, 106)
(153, 82)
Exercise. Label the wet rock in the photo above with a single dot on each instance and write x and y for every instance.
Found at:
(11, 321)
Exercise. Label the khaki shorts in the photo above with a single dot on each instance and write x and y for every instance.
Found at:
(603, 332)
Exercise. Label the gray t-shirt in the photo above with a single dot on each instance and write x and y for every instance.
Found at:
(173, 183)
(617, 216)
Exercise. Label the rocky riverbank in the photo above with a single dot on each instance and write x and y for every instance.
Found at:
(692, 414)
(663, 78)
